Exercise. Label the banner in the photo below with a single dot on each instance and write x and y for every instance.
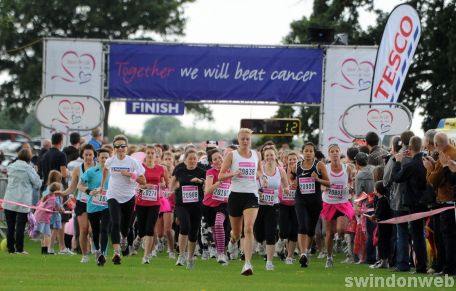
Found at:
(72, 67)
(348, 75)
(395, 54)
(215, 73)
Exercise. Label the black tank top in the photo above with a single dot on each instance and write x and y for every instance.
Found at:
(307, 173)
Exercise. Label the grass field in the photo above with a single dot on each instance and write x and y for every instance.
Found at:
(38, 272)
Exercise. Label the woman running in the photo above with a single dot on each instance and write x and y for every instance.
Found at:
(88, 155)
(164, 225)
(244, 169)
(215, 203)
(189, 186)
(124, 172)
(148, 200)
(311, 174)
(337, 209)
(97, 204)
(265, 227)
(288, 223)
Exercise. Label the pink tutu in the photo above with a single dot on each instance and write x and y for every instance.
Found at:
(329, 210)
(165, 206)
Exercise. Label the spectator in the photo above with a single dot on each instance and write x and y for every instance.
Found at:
(45, 146)
(376, 152)
(413, 174)
(54, 159)
(22, 179)
(445, 197)
(72, 151)
(96, 139)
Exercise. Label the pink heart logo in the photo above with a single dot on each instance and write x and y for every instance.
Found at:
(356, 75)
(71, 112)
(77, 68)
(380, 120)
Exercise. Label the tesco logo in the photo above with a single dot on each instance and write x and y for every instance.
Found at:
(395, 54)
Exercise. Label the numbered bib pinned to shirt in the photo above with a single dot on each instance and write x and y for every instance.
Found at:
(337, 193)
(307, 185)
(189, 194)
(222, 192)
(268, 197)
(150, 194)
(247, 171)
(290, 196)
(100, 199)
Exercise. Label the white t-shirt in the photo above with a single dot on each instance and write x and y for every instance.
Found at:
(120, 187)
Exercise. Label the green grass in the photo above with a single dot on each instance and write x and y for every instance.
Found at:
(37, 272)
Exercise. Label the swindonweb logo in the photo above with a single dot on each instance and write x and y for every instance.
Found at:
(399, 282)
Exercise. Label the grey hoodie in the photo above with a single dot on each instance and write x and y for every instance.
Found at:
(22, 179)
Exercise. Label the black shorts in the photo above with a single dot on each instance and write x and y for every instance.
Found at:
(238, 202)
(209, 213)
(81, 208)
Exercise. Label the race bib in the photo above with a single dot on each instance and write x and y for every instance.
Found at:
(268, 197)
(248, 170)
(166, 193)
(307, 185)
(150, 194)
(290, 196)
(222, 192)
(100, 199)
(337, 192)
(189, 194)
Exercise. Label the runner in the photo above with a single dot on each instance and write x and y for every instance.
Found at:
(243, 200)
(265, 226)
(188, 187)
(97, 204)
(311, 174)
(164, 225)
(124, 172)
(288, 223)
(148, 200)
(215, 203)
(337, 209)
(88, 155)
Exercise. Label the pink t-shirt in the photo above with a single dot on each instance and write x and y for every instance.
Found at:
(220, 194)
(43, 216)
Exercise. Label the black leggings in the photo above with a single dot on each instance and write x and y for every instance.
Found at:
(189, 216)
(16, 227)
(265, 227)
(121, 216)
(146, 217)
(307, 214)
(99, 221)
(288, 223)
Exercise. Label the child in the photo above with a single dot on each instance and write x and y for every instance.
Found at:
(43, 215)
(384, 231)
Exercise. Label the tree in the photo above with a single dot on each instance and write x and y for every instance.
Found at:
(23, 23)
(160, 129)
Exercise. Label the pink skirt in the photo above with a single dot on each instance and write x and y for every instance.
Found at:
(165, 206)
(329, 210)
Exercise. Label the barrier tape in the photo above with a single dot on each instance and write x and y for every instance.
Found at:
(33, 207)
(415, 216)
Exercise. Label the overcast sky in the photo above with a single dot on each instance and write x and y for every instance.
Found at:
(236, 22)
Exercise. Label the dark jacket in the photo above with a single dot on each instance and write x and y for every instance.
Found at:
(414, 175)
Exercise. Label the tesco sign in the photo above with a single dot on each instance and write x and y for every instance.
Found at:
(395, 54)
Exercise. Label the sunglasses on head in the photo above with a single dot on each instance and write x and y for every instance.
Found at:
(122, 146)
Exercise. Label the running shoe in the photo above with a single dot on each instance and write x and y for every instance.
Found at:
(304, 261)
(205, 256)
(242, 256)
(289, 261)
(22, 253)
(329, 262)
(231, 247)
(212, 252)
(222, 260)
(85, 259)
(279, 246)
(269, 266)
(66, 251)
(322, 255)
(348, 260)
(51, 252)
(172, 255)
(145, 260)
(137, 243)
(101, 260)
(123, 244)
(180, 261)
(153, 254)
(247, 270)
(116, 259)
(190, 264)
(159, 247)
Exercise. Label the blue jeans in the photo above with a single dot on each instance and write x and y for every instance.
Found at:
(402, 244)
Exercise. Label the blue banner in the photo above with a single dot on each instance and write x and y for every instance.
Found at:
(155, 107)
(215, 73)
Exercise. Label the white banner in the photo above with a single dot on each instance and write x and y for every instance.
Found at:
(348, 79)
(72, 68)
(395, 54)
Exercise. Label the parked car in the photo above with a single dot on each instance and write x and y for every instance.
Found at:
(14, 136)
